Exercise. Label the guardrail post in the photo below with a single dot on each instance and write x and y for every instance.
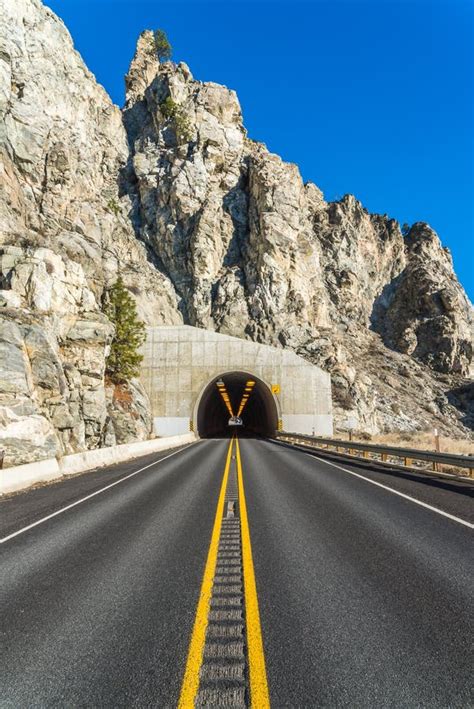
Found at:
(365, 454)
(383, 457)
(408, 462)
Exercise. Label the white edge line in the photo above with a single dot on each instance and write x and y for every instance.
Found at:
(395, 492)
(93, 494)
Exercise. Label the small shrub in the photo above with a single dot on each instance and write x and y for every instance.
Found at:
(113, 207)
(168, 108)
(175, 114)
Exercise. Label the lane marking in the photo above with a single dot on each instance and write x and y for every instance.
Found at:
(464, 522)
(259, 695)
(190, 685)
(88, 497)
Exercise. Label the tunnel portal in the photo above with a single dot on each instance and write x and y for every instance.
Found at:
(180, 368)
(238, 394)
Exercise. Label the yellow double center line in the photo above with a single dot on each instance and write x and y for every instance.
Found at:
(259, 696)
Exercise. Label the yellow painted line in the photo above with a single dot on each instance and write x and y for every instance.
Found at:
(259, 696)
(190, 685)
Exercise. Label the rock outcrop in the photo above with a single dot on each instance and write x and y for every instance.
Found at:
(206, 227)
(253, 251)
(425, 313)
(65, 230)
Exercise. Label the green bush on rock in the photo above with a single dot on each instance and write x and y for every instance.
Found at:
(175, 114)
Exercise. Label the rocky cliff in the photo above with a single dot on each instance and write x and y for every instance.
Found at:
(207, 227)
(64, 231)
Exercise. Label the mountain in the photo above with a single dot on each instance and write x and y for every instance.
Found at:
(206, 227)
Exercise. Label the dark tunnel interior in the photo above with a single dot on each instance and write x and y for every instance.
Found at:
(259, 415)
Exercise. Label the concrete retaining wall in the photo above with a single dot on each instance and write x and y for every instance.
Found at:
(23, 476)
(308, 424)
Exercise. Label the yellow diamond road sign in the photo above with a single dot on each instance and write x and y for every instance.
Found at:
(275, 388)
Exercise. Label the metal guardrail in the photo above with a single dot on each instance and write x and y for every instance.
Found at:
(382, 454)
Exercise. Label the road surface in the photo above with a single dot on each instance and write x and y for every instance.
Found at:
(343, 594)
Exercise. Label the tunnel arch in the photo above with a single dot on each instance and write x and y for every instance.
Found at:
(260, 416)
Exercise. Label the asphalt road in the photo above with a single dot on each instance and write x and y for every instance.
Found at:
(98, 603)
(365, 596)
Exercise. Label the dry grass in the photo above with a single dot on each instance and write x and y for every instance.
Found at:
(121, 392)
(419, 440)
(424, 441)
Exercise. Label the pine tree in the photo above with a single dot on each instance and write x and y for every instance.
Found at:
(124, 359)
(162, 46)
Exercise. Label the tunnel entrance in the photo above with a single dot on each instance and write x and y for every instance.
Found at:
(236, 394)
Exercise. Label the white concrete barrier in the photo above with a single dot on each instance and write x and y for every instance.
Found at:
(20, 477)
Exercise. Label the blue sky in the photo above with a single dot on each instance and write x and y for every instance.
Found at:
(371, 97)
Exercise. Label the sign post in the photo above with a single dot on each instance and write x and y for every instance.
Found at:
(436, 437)
(350, 426)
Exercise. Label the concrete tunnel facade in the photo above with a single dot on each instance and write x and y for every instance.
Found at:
(182, 366)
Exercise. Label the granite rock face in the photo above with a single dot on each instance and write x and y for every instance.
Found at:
(206, 227)
(65, 229)
(426, 314)
(252, 251)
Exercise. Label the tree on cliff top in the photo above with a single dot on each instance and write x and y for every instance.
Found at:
(163, 48)
(124, 359)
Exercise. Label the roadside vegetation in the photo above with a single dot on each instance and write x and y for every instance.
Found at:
(420, 440)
